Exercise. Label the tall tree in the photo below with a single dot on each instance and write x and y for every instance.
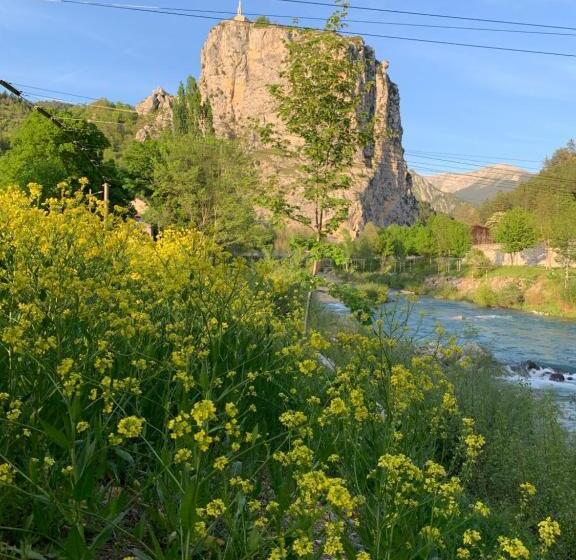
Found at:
(319, 104)
(207, 183)
(516, 231)
(191, 114)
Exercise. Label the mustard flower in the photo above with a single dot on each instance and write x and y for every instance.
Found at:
(203, 440)
(203, 411)
(302, 546)
(215, 508)
(231, 409)
(548, 531)
(82, 427)
(7, 473)
(514, 548)
(481, 509)
(528, 489)
(130, 427)
(220, 463)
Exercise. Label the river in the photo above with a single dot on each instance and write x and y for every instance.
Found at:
(513, 337)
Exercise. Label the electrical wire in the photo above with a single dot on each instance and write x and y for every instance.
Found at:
(372, 22)
(432, 15)
(153, 10)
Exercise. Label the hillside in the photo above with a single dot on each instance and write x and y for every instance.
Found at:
(478, 186)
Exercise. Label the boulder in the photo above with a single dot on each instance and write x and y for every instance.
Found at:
(558, 377)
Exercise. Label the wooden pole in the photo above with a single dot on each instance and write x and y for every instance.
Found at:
(106, 199)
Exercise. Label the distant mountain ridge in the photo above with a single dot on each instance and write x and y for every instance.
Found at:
(478, 186)
(425, 191)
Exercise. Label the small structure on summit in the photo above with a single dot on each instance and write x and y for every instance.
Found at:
(239, 15)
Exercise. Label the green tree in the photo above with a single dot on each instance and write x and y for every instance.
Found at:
(319, 105)
(452, 238)
(43, 153)
(138, 164)
(207, 183)
(563, 238)
(516, 232)
(395, 241)
(191, 114)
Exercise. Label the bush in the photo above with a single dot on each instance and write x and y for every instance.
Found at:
(485, 296)
(479, 263)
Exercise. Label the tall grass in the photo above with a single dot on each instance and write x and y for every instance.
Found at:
(158, 402)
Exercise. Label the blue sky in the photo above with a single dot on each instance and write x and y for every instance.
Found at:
(454, 100)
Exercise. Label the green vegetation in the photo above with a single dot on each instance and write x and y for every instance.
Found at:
(159, 402)
(42, 152)
(191, 114)
(516, 231)
(208, 184)
(439, 236)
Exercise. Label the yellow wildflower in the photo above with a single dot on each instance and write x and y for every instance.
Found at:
(215, 508)
(130, 427)
(203, 411)
(7, 473)
(548, 531)
(231, 409)
(481, 509)
(82, 427)
(302, 546)
(220, 463)
(514, 548)
(203, 440)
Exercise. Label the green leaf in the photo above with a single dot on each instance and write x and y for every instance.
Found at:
(75, 548)
(56, 435)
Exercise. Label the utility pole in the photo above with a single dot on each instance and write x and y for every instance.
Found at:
(106, 199)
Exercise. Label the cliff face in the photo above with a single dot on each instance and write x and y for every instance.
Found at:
(157, 112)
(439, 201)
(240, 60)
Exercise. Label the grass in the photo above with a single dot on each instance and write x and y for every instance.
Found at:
(159, 402)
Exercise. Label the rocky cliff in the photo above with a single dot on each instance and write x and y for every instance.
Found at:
(240, 60)
(424, 191)
(157, 110)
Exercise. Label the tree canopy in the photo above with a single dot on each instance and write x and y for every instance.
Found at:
(207, 183)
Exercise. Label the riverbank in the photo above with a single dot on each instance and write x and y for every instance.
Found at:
(529, 289)
(524, 428)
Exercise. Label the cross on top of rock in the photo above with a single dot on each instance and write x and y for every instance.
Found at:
(239, 15)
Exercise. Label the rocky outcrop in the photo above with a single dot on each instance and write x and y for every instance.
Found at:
(426, 192)
(157, 110)
(241, 60)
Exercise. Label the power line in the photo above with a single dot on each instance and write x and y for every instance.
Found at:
(541, 174)
(376, 22)
(475, 156)
(488, 181)
(57, 122)
(433, 15)
(153, 10)
(469, 163)
(86, 106)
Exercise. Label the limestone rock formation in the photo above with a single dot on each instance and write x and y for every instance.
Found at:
(426, 192)
(240, 60)
(157, 110)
